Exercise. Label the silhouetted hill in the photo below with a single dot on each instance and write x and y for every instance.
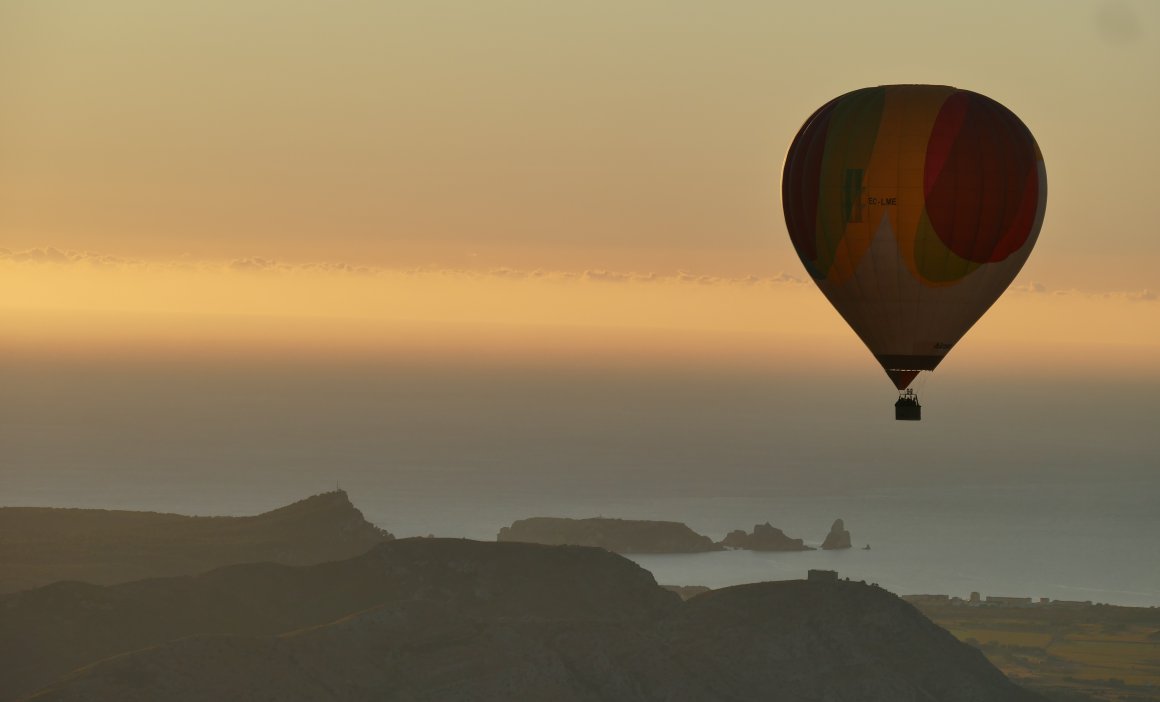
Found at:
(46, 632)
(787, 641)
(616, 535)
(828, 641)
(439, 619)
(41, 545)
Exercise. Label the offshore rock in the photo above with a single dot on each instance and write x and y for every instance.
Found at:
(765, 537)
(838, 538)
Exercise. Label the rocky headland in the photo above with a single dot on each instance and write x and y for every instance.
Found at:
(41, 545)
(616, 535)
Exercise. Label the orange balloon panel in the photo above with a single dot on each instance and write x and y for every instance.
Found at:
(913, 207)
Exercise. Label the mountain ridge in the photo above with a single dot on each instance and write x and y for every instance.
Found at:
(42, 545)
(454, 619)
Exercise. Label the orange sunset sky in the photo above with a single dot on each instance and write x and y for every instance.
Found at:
(531, 179)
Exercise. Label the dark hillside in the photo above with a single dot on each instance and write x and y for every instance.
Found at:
(451, 619)
(41, 545)
(858, 642)
(46, 632)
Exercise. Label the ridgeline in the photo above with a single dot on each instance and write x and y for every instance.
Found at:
(42, 545)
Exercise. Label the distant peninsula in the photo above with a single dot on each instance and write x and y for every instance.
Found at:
(41, 545)
(616, 535)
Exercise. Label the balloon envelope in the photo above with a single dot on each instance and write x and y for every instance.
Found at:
(913, 207)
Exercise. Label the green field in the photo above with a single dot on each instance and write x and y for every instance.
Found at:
(1068, 654)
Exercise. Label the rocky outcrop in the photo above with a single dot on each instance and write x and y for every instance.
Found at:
(765, 537)
(44, 545)
(487, 621)
(838, 538)
(616, 535)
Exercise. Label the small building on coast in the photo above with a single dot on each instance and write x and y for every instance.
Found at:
(815, 575)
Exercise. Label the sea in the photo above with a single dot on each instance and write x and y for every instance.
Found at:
(1064, 542)
(1051, 490)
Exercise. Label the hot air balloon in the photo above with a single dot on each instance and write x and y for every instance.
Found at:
(913, 207)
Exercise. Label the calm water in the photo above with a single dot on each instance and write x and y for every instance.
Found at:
(1096, 543)
(1069, 542)
(1052, 492)
(1063, 542)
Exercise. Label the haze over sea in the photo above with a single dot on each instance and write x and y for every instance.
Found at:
(974, 497)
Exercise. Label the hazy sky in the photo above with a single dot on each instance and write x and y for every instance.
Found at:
(622, 135)
(521, 177)
(445, 249)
